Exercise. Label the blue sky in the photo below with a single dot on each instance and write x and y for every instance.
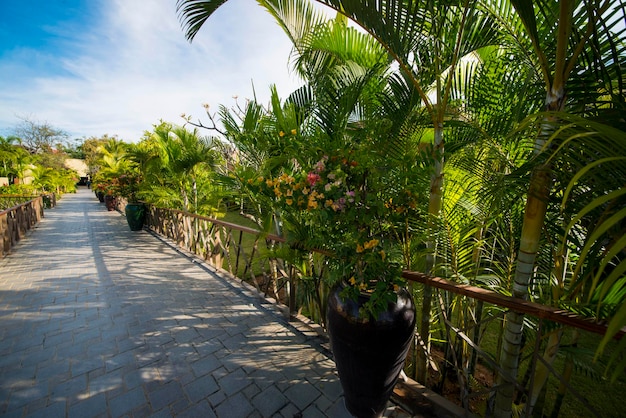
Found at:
(94, 67)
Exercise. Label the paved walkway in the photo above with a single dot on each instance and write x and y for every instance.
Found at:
(99, 321)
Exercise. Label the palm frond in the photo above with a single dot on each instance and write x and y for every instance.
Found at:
(194, 13)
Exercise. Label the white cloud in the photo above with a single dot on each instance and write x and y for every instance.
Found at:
(135, 67)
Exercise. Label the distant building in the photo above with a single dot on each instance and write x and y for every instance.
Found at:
(80, 167)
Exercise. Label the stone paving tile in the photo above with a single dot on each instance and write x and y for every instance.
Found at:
(97, 320)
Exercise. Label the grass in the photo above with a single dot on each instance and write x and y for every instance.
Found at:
(260, 261)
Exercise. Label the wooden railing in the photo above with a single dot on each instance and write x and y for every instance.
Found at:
(234, 248)
(17, 220)
(248, 255)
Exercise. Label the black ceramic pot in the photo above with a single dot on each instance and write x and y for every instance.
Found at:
(369, 354)
(135, 213)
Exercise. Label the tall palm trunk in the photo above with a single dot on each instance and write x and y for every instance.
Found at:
(534, 215)
(434, 208)
(539, 186)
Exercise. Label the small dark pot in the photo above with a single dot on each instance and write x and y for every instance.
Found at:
(135, 214)
(110, 202)
(100, 196)
(369, 354)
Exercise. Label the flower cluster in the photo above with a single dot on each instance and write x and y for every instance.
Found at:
(318, 189)
(338, 200)
(127, 186)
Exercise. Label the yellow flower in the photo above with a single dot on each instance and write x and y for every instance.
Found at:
(293, 132)
(359, 248)
(281, 134)
(371, 244)
(289, 201)
(277, 192)
(305, 191)
(382, 254)
(362, 286)
(289, 192)
(352, 281)
(329, 203)
(269, 182)
(312, 204)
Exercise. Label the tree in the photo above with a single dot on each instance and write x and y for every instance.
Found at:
(12, 157)
(183, 159)
(39, 137)
(91, 148)
(582, 46)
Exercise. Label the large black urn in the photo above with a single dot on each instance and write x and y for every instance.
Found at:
(369, 352)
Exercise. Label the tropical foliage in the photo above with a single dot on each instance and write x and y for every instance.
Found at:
(170, 167)
(502, 99)
(45, 171)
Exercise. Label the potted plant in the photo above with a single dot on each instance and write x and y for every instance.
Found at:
(109, 196)
(99, 191)
(128, 188)
(343, 205)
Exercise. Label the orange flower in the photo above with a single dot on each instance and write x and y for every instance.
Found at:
(371, 244)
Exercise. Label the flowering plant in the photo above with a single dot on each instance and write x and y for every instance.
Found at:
(340, 201)
(106, 187)
(127, 186)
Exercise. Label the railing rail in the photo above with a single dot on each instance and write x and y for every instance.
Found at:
(220, 244)
(17, 220)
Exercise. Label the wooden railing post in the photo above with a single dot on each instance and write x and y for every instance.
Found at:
(5, 233)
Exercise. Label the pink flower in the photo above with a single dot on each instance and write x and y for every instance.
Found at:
(312, 178)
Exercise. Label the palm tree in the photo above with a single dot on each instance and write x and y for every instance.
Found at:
(581, 47)
(11, 155)
(183, 155)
